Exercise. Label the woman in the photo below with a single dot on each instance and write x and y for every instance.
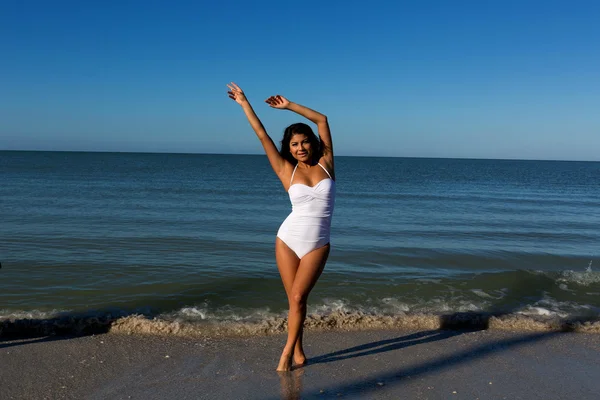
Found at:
(305, 167)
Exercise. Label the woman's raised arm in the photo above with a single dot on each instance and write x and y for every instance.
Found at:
(277, 162)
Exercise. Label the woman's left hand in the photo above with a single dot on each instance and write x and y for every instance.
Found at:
(278, 101)
(236, 93)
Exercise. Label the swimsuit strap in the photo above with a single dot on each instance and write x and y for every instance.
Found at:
(293, 174)
(324, 170)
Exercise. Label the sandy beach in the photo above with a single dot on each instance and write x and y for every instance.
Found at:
(381, 364)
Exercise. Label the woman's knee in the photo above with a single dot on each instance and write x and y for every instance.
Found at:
(297, 299)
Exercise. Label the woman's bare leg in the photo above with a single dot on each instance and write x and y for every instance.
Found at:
(288, 263)
(309, 270)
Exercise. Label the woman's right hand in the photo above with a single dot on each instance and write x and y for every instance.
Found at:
(278, 102)
(236, 93)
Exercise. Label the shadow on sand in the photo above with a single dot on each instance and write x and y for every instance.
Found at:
(383, 346)
(20, 332)
(8, 342)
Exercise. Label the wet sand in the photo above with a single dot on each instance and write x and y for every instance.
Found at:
(383, 364)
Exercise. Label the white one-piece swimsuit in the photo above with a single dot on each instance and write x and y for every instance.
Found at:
(308, 226)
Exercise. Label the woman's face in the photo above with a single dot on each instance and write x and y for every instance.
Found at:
(300, 147)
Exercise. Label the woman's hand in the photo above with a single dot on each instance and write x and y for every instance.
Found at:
(278, 101)
(236, 93)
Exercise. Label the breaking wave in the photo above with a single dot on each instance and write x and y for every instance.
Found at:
(516, 301)
(530, 319)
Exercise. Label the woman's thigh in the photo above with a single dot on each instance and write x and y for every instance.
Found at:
(287, 264)
(309, 270)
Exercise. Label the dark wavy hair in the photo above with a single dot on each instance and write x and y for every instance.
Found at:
(303, 129)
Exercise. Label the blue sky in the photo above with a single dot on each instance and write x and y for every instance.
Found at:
(477, 79)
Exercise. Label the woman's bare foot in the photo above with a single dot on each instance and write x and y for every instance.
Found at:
(285, 362)
(299, 359)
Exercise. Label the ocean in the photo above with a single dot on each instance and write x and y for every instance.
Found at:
(189, 239)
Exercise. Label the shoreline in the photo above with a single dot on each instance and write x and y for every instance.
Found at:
(382, 363)
(87, 324)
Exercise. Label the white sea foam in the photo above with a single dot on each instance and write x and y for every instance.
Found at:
(481, 293)
(330, 306)
(396, 305)
(563, 286)
(585, 278)
(225, 313)
(530, 311)
(561, 309)
(194, 312)
(31, 315)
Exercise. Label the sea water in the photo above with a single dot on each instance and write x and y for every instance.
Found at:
(190, 237)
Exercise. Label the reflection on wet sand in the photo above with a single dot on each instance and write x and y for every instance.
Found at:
(291, 384)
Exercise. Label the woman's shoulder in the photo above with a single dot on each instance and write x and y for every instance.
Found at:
(327, 164)
(288, 170)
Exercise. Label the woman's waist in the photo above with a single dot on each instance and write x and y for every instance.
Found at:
(311, 215)
(307, 226)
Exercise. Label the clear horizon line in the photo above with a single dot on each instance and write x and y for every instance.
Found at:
(262, 154)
